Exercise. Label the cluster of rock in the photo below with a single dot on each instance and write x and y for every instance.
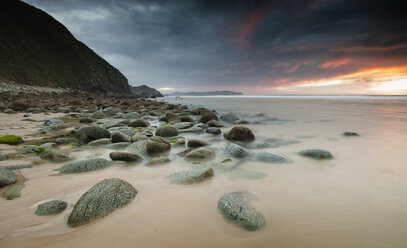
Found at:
(126, 127)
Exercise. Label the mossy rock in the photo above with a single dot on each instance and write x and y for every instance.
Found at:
(7, 177)
(13, 192)
(84, 165)
(101, 200)
(51, 208)
(191, 176)
(29, 119)
(11, 140)
(236, 207)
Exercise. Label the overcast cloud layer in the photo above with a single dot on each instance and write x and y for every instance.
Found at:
(303, 46)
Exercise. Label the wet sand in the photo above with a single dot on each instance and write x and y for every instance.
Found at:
(357, 199)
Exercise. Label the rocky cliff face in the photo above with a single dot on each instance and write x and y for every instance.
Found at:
(35, 49)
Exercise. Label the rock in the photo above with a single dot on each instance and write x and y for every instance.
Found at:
(183, 125)
(268, 157)
(316, 154)
(199, 111)
(350, 134)
(7, 177)
(63, 110)
(18, 166)
(120, 137)
(98, 115)
(241, 122)
(125, 130)
(259, 145)
(11, 140)
(90, 133)
(3, 157)
(53, 122)
(191, 176)
(31, 150)
(20, 105)
(236, 151)
(84, 165)
(186, 119)
(13, 192)
(125, 156)
(63, 141)
(201, 153)
(166, 131)
(139, 123)
(100, 142)
(192, 130)
(170, 117)
(48, 145)
(236, 207)
(196, 143)
(101, 200)
(51, 208)
(130, 116)
(86, 120)
(180, 142)
(240, 133)
(157, 144)
(229, 117)
(109, 112)
(9, 111)
(139, 147)
(213, 130)
(215, 123)
(207, 116)
(118, 146)
(158, 161)
(225, 165)
(55, 156)
(138, 137)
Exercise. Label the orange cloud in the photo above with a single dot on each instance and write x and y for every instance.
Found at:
(335, 63)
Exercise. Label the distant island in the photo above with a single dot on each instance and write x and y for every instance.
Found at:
(145, 91)
(208, 93)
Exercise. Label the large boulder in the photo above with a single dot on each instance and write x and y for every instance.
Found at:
(120, 137)
(202, 153)
(236, 151)
(11, 139)
(240, 133)
(167, 131)
(139, 123)
(236, 207)
(84, 165)
(51, 208)
(170, 117)
(157, 144)
(191, 176)
(125, 156)
(101, 200)
(207, 116)
(90, 133)
(7, 177)
(54, 155)
(316, 154)
(268, 157)
(229, 117)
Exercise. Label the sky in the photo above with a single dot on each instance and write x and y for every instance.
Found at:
(256, 47)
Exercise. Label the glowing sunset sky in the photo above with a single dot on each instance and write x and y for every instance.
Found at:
(258, 47)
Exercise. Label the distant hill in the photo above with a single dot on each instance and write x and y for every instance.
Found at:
(145, 91)
(209, 93)
(35, 49)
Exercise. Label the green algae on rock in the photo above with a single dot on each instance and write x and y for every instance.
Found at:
(11, 139)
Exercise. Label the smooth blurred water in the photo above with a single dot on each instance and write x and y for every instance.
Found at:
(358, 199)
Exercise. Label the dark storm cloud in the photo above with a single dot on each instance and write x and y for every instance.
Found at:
(226, 44)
